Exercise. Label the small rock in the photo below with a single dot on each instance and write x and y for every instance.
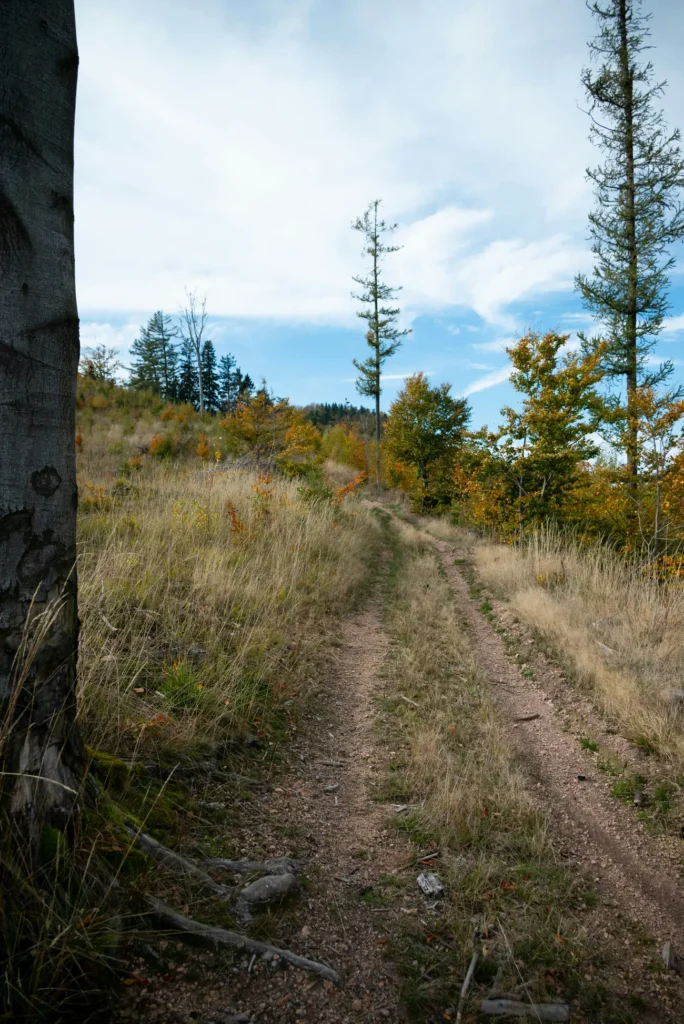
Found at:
(430, 884)
(639, 799)
(332, 788)
(357, 1005)
(264, 890)
(581, 778)
(305, 932)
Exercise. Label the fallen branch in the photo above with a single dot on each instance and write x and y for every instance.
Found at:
(512, 1008)
(178, 862)
(211, 937)
(466, 986)
(527, 718)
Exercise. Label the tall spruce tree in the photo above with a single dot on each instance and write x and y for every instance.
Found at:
(145, 369)
(188, 385)
(383, 336)
(156, 357)
(230, 383)
(245, 387)
(638, 214)
(210, 378)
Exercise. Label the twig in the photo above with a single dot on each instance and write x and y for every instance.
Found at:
(466, 986)
(211, 937)
(409, 701)
(526, 718)
(427, 857)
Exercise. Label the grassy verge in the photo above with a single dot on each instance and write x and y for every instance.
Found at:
(508, 893)
(208, 601)
(615, 630)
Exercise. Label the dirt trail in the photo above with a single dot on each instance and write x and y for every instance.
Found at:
(595, 831)
(341, 836)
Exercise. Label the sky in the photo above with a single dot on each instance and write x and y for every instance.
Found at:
(227, 147)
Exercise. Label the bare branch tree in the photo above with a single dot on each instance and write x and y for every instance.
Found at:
(193, 325)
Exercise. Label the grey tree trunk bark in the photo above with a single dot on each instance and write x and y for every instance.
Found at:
(42, 755)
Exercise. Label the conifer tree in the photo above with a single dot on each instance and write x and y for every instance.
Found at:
(638, 214)
(229, 378)
(188, 388)
(145, 369)
(210, 377)
(155, 365)
(383, 336)
(246, 387)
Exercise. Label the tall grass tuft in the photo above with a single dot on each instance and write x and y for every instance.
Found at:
(616, 626)
(205, 599)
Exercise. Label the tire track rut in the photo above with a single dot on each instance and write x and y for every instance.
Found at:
(595, 831)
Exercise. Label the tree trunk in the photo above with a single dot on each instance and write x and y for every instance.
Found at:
(199, 379)
(378, 343)
(377, 440)
(631, 370)
(41, 751)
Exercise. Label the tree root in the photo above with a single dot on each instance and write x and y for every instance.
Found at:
(179, 863)
(211, 937)
(277, 866)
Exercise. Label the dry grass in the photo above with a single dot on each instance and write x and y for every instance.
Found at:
(453, 762)
(461, 762)
(206, 598)
(618, 631)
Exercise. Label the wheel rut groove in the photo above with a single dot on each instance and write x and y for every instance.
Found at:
(593, 830)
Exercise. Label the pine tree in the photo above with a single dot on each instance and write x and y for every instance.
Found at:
(145, 369)
(156, 358)
(228, 382)
(246, 387)
(210, 378)
(383, 336)
(637, 214)
(188, 388)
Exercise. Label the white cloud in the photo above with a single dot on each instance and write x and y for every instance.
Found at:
(508, 270)
(673, 324)
(229, 146)
(497, 345)
(120, 338)
(490, 380)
